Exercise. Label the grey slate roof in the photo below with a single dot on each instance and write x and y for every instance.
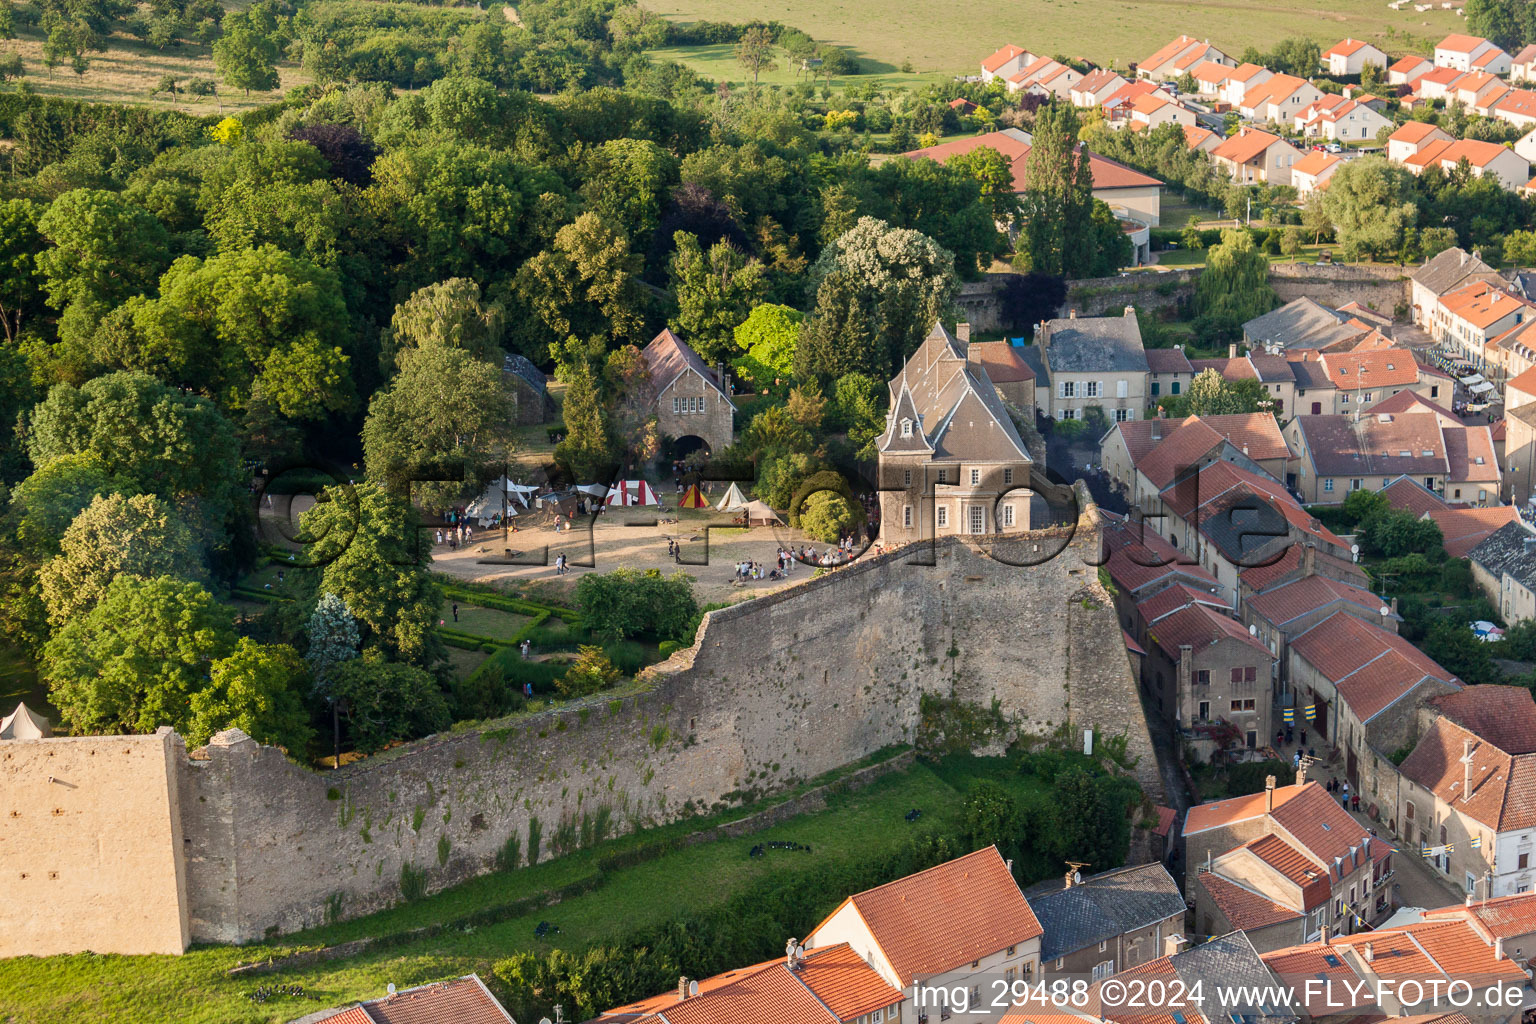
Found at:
(1095, 344)
(956, 404)
(1102, 906)
(531, 375)
(1031, 354)
(1300, 323)
(1504, 552)
(1450, 269)
(1229, 963)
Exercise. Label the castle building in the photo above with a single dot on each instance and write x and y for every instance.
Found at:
(693, 407)
(951, 460)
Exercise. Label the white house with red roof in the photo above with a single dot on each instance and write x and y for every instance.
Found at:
(1413, 136)
(1407, 69)
(1179, 56)
(1341, 121)
(1006, 62)
(1516, 106)
(1095, 87)
(1350, 56)
(1155, 110)
(1471, 53)
(1253, 156)
(1469, 317)
(1278, 100)
(1312, 172)
(958, 925)
(1522, 66)
(1243, 78)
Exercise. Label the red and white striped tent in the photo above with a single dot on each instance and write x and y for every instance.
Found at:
(631, 492)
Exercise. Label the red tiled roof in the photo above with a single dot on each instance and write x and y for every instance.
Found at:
(1315, 162)
(1262, 577)
(1345, 48)
(1503, 791)
(1469, 454)
(1243, 908)
(1246, 146)
(1295, 866)
(948, 915)
(1200, 626)
(1413, 131)
(1169, 52)
(1406, 493)
(1504, 916)
(1272, 90)
(463, 1000)
(1460, 43)
(1466, 528)
(1341, 645)
(1524, 382)
(1166, 816)
(1503, 715)
(840, 978)
(1137, 558)
(1410, 61)
(1412, 401)
(1107, 173)
(1001, 360)
(1002, 57)
(1297, 965)
(1377, 368)
(1186, 445)
(1290, 601)
(1436, 948)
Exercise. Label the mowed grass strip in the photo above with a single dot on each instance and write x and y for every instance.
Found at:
(195, 988)
(937, 35)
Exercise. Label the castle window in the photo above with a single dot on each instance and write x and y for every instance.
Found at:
(943, 516)
(1007, 515)
(906, 516)
(975, 477)
(906, 478)
(906, 428)
(978, 519)
(1008, 476)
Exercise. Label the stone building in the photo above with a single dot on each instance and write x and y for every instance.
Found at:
(693, 404)
(951, 458)
(1504, 566)
(530, 391)
(1108, 922)
(1095, 360)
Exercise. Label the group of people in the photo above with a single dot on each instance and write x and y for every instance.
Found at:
(561, 568)
(456, 535)
(751, 570)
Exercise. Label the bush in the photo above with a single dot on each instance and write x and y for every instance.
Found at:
(628, 656)
(590, 672)
(487, 693)
(627, 602)
(508, 666)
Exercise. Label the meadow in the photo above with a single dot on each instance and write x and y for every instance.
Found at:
(938, 36)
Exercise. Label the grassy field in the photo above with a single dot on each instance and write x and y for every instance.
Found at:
(489, 622)
(953, 38)
(196, 988)
(129, 69)
(719, 63)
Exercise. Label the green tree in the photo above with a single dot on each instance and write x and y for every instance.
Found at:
(768, 336)
(1370, 207)
(1234, 287)
(714, 293)
(45, 503)
(827, 517)
(942, 201)
(589, 673)
(1394, 532)
(117, 536)
(258, 689)
(626, 184)
(21, 294)
(246, 54)
(755, 52)
(1297, 56)
(994, 173)
(133, 663)
(104, 249)
(1090, 823)
(990, 817)
(1519, 247)
(374, 558)
(333, 640)
(587, 284)
(384, 702)
(1362, 505)
(629, 602)
(1210, 395)
(449, 314)
(589, 449)
(445, 418)
(1058, 196)
(858, 408)
(1452, 646)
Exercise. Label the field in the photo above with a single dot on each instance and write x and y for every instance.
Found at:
(719, 63)
(938, 36)
(196, 988)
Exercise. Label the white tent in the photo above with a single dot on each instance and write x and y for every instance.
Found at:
(593, 490)
(1471, 379)
(24, 724)
(1482, 388)
(759, 514)
(493, 502)
(631, 492)
(732, 501)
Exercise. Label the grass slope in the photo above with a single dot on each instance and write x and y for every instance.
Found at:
(940, 36)
(195, 988)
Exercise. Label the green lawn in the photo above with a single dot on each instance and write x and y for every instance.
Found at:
(195, 987)
(719, 63)
(487, 622)
(938, 36)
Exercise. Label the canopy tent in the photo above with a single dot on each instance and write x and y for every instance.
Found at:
(1481, 388)
(732, 501)
(693, 498)
(24, 724)
(759, 514)
(492, 503)
(632, 492)
(1471, 379)
(593, 490)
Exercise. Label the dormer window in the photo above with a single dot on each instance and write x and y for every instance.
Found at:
(906, 428)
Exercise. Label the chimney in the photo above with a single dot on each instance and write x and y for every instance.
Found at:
(1370, 952)
(1325, 936)
(1232, 350)
(682, 988)
(1130, 310)
(1466, 770)
(1071, 314)
(1498, 947)
(1469, 899)
(1245, 451)
(1173, 944)
(1269, 793)
(1301, 773)
(1309, 560)
(1186, 666)
(963, 332)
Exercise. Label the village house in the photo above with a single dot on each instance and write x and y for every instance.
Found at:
(1303, 324)
(1351, 56)
(1515, 106)
(1504, 567)
(1143, 457)
(1444, 273)
(1311, 173)
(989, 931)
(1237, 84)
(1340, 454)
(1469, 789)
(1296, 563)
(1388, 958)
(1341, 122)
(1509, 919)
(1154, 110)
(1407, 70)
(1095, 87)
(1473, 87)
(1278, 100)
(1520, 454)
(1046, 77)
(1473, 315)
(1224, 967)
(1253, 157)
(1437, 84)
(1522, 66)
(1508, 355)
(951, 460)
(1287, 609)
(1117, 105)
(1005, 63)
(1168, 373)
(1471, 53)
(1285, 865)
(1413, 136)
(1463, 529)
(1140, 563)
(1344, 383)
(1179, 56)
(1327, 989)
(1357, 685)
(1273, 372)
(463, 999)
(1096, 360)
(1205, 673)
(1484, 159)
(1108, 922)
(692, 406)
(1009, 374)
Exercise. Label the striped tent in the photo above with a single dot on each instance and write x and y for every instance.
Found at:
(693, 498)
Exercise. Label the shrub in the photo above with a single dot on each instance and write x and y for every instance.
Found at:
(589, 673)
(627, 602)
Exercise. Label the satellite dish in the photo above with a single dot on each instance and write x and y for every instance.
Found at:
(545, 1020)
(1385, 610)
(693, 988)
(1253, 630)
(390, 988)
(1354, 549)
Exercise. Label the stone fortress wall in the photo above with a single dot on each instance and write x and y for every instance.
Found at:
(775, 691)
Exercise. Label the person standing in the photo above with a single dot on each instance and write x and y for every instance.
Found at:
(455, 611)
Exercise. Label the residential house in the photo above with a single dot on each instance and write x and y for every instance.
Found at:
(1389, 959)
(829, 985)
(1353, 381)
(1205, 673)
(1145, 456)
(1225, 968)
(951, 460)
(1463, 529)
(962, 106)
(1522, 66)
(1252, 156)
(1472, 473)
(1154, 110)
(1210, 76)
(1504, 566)
(1140, 563)
(1407, 69)
(692, 402)
(1508, 355)
(1237, 84)
(989, 932)
(1202, 139)
(1172, 60)
(1327, 989)
(1311, 173)
(1339, 454)
(1516, 106)
(1351, 56)
(1469, 53)
(1469, 789)
(1412, 137)
(1520, 454)
(1278, 100)
(1298, 562)
(1005, 63)
(1117, 105)
(1132, 195)
(1443, 274)
(1343, 122)
(1273, 373)
(1169, 373)
(1108, 922)
(1302, 324)
(1295, 848)
(464, 1000)
(1473, 315)
(1051, 79)
(1285, 610)
(1483, 159)
(1094, 361)
(1095, 87)
(1473, 87)
(1357, 686)
(1510, 919)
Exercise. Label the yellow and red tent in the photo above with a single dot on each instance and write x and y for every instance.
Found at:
(693, 498)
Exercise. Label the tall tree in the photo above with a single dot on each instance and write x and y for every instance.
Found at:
(258, 689)
(755, 51)
(246, 54)
(449, 314)
(333, 641)
(586, 284)
(769, 336)
(1234, 287)
(1058, 196)
(714, 293)
(104, 249)
(1370, 207)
